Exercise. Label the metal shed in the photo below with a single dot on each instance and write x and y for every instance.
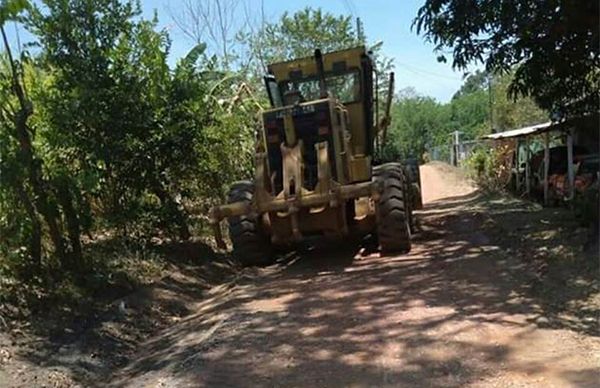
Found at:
(538, 129)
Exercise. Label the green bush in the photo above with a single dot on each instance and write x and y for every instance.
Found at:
(488, 167)
(98, 133)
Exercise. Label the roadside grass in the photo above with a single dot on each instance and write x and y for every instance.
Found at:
(558, 257)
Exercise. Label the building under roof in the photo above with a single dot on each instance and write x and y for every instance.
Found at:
(580, 130)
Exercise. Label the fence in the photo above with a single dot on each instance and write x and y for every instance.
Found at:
(456, 154)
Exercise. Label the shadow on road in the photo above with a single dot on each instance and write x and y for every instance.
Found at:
(453, 311)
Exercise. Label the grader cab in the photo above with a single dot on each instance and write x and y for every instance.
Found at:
(314, 172)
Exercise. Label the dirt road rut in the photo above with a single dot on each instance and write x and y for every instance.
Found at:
(453, 312)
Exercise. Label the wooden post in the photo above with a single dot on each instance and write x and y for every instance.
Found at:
(546, 165)
(456, 147)
(570, 171)
(527, 174)
(517, 176)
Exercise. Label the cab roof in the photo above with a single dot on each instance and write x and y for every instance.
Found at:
(334, 61)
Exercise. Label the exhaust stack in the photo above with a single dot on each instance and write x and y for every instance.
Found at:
(321, 73)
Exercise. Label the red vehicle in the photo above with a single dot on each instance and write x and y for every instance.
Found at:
(586, 169)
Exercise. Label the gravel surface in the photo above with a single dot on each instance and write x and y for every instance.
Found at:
(460, 310)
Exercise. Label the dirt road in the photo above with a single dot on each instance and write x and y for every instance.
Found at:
(454, 312)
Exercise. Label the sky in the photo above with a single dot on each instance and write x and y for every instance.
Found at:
(383, 20)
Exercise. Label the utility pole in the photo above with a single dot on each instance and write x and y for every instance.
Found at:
(455, 151)
(491, 102)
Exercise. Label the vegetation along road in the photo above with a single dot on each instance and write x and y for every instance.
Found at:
(460, 309)
(123, 122)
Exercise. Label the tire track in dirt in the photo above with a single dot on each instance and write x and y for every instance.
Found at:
(450, 313)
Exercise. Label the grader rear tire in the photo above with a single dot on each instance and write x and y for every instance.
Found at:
(393, 218)
(414, 180)
(251, 246)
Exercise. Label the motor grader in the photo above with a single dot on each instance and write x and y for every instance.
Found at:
(314, 167)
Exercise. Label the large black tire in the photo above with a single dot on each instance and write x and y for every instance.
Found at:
(251, 246)
(414, 178)
(400, 172)
(408, 199)
(394, 213)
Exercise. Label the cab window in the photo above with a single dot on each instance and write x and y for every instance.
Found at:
(345, 87)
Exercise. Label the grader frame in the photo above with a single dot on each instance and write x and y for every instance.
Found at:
(313, 166)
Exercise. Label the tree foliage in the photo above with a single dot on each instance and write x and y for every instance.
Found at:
(420, 123)
(554, 46)
(98, 132)
(509, 113)
(299, 34)
(214, 24)
(416, 121)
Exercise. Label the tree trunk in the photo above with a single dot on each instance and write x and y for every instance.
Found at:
(180, 217)
(35, 244)
(73, 226)
(42, 204)
(38, 184)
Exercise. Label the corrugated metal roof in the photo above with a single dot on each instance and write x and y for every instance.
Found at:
(525, 131)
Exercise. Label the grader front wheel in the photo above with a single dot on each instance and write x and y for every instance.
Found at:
(393, 218)
(251, 246)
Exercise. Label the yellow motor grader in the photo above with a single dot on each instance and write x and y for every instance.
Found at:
(314, 169)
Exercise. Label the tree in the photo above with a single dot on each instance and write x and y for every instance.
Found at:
(473, 83)
(417, 123)
(420, 123)
(109, 81)
(510, 114)
(22, 165)
(469, 114)
(97, 132)
(298, 35)
(213, 22)
(554, 46)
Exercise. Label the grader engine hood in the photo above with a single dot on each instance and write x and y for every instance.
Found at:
(304, 169)
(295, 132)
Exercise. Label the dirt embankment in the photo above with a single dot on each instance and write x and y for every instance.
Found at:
(496, 292)
(82, 342)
